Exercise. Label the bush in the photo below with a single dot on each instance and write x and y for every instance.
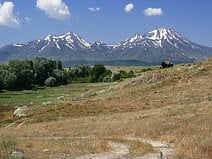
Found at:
(23, 69)
(7, 145)
(1, 84)
(122, 75)
(81, 71)
(10, 81)
(116, 76)
(1, 80)
(43, 68)
(51, 82)
(80, 80)
(96, 73)
(146, 69)
(60, 77)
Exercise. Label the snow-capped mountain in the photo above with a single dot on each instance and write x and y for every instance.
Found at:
(70, 40)
(151, 47)
(161, 43)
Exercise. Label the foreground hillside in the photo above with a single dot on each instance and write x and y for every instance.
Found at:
(161, 110)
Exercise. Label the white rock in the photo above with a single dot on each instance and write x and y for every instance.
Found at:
(18, 154)
(21, 111)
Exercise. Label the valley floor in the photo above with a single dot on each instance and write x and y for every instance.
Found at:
(161, 113)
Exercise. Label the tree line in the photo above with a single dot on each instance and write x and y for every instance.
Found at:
(26, 74)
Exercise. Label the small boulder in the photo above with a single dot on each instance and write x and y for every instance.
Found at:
(17, 154)
(20, 111)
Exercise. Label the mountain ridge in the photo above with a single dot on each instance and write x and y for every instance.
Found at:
(151, 47)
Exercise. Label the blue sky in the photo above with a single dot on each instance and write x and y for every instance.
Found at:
(106, 20)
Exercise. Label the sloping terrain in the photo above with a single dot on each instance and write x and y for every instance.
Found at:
(172, 106)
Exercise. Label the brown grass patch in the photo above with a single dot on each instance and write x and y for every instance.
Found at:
(175, 109)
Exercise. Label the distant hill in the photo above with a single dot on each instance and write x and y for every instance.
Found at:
(139, 49)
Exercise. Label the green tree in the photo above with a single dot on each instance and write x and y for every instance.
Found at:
(116, 76)
(106, 76)
(59, 65)
(3, 72)
(1, 82)
(10, 81)
(70, 75)
(96, 72)
(43, 68)
(60, 76)
(23, 69)
(81, 71)
(122, 75)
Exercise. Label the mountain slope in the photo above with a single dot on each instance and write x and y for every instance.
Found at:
(151, 47)
(161, 44)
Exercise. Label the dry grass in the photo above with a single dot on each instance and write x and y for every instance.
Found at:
(64, 147)
(172, 105)
(136, 147)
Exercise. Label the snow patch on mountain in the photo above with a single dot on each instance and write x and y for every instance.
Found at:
(17, 45)
(43, 47)
(158, 44)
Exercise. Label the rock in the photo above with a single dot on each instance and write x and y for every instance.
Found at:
(17, 154)
(46, 150)
(46, 103)
(60, 98)
(91, 93)
(20, 111)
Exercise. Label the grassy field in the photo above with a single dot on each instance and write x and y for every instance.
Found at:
(170, 105)
(42, 95)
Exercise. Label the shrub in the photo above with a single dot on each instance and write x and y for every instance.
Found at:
(81, 71)
(122, 75)
(60, 77)
(116, 76)
(1, 82)
(96, 73)
(7, 145)
(42, 69)
(105, 77)
(51, 82)
(23, 69)
(3, 73)
(10, 81)
(146, 69)
(81, 80)
(59, 65)
(1, 85)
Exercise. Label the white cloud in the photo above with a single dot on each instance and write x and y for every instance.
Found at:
(28, 20)
(129, 7)
(7, 17)
(55, 9)
(94, 9)
(153, 11)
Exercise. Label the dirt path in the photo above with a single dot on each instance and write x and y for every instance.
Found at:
(119, 150)
(163, 148)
